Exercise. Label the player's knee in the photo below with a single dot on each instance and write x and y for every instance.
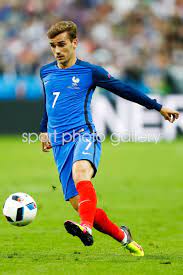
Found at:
(82, 170)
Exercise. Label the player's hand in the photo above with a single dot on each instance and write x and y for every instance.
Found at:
(169, 114)
(46, 145)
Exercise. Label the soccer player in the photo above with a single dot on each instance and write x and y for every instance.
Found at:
(68, 128)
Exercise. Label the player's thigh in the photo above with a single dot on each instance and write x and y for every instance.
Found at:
(86, 158)
(82, 170)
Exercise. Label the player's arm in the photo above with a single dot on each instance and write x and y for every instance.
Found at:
(43, 128)
(130, 92)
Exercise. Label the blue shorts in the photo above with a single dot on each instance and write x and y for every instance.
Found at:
(84, 148)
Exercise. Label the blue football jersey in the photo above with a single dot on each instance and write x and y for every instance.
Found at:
(68, 94)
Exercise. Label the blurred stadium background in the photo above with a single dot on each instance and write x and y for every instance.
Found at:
(139, 41)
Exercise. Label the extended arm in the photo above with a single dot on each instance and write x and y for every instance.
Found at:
(130, 92)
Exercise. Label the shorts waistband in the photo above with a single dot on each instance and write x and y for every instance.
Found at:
(64, 138)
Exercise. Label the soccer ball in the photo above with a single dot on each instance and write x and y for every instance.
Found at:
(20, 209)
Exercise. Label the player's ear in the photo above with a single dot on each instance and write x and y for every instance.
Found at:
(75, 43)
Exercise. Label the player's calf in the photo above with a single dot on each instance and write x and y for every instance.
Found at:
(82, 173)
(103, 224)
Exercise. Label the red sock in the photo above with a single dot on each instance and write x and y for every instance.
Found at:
(104, 225)
(87, 202)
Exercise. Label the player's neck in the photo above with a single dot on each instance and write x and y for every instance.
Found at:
(70, 63)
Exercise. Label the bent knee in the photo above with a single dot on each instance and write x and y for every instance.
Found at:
(82, 170)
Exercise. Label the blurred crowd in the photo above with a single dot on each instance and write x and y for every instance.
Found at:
(138, 40)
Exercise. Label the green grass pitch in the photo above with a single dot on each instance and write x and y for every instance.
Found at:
(139, 185)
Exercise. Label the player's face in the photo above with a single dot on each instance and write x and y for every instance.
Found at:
(63, 48)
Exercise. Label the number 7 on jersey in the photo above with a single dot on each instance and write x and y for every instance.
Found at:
(56, 94)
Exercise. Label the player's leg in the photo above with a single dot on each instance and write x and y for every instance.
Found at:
(64, 156)
(103, 224)
(122, 234)
(64, 160)
(85, 163)
(82, 172)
